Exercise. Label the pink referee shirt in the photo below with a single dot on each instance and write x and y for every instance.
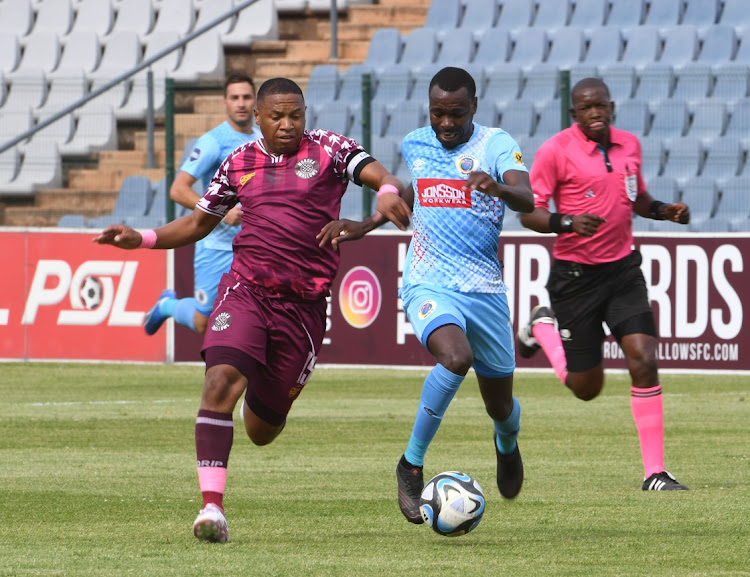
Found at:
(571, 170)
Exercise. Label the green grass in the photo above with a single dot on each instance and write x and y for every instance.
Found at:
(98, 478)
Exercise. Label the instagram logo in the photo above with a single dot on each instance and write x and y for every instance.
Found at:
(360, 297)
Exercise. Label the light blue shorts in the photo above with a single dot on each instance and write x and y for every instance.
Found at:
(484, 317)
(208, 266)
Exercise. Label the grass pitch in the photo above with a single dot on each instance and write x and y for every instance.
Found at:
(98, 478)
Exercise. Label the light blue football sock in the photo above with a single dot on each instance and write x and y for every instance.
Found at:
(167, 306)
(507, 430)
(184, 312)
(438, 391)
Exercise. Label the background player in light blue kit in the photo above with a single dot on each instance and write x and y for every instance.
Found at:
(463, 176)
(213, 254)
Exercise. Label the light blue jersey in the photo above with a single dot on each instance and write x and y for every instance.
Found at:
(209, 152)
(455, 239)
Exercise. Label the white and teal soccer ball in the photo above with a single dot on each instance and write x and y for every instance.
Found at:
(452, 503)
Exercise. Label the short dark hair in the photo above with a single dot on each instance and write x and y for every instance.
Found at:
(274, 86)
(590, 82)
(452, 79)
(237, 77)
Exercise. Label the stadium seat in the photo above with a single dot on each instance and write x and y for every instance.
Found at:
(493, 48)
(287, 6)
(684, 158)
(393, 85)
(322, 85)
(663, 13)
(81, 53)
(202, 59)
(731, 81)
(96, 129)
(503, 83)
(670, 119)
(122, 51)
(724, 158)
(567, 47)
(334, 116)
(709, 119)
(14, 122)
(589, 14)
(701, 195)
(743, 51)
(421, 81)
(41, 168)
(10, 51)
(259, 21)
(405, 117)
(580, 71)
(97, 16)
(663, 188)
(680, 45)
(16, 17)
(420, 48)
(655, 83)
(487, 114)
(133, 199)
(41, 52)
(442, 14)
(541, 83)
(350, 90)
(620, 78)
(732, 205)
(210, 11)
(642, 47)
(515, 14)
(549, 119)
(135, 16)
(518, 118)
(692, 82)
(739, 120)
(632, 115)
(735, 13)
(351, 202)
(718, 44)
(174, 15)
(386, 151)
(385, 49)
(701, 12)
(552, 15)
(10, 161)
(72, 221)
(652, 155)
(479, 15)
(605, 45)
(529, 47)
(64, 91)
(27, 88)
(54, 16)
(457, 48)
(60, 131)
(626, 13)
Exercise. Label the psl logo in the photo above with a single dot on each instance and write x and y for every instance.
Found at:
(90, 290)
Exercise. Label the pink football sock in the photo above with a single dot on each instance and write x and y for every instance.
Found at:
(549, 339)
(648, 414)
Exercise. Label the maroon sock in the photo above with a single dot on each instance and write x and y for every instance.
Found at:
(214, 433)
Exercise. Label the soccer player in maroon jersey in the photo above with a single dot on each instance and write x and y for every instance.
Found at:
(268, 320)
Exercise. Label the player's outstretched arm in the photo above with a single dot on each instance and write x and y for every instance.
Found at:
(180, 232)
(647, 207)
(389, 190)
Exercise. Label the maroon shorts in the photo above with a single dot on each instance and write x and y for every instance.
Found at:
(284, 336)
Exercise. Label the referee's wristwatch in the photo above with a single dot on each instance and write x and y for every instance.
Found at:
(566, 223)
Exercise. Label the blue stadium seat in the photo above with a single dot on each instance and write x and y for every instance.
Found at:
(393, 84)
(322, 85)
(334, 116)
(701, 12)
(684, 157)
(700, 194)
(643, 46)
(479, 15)
(386, 151)
(567, 47)
(133, 199)
(739, 120)
(530, 46)
(420, 48)
(72, 221)
(405, 117)
(718, 44)
(735, 13)
(724, 158)
(518, 118)
(709, 119)
(350, 90)
(589, 13)
(443, 14)
(652, 155)
(552, 15)
(605, 45)
(541, 83)
(663, 13)
(549, 119)
(693, 82)
(743, 51)
(515, 14)
(670, 119)
(457, 48)
(422, 78)
(503, 83)
(493, 48)
(487, 114)
(633, 115)
(680, 45)
(580, 71)
(663, 188)
(731, 81)
(732, 204)
(655, 83)
(378, 120)
(385, 49)
(626, 13)
(620, 78)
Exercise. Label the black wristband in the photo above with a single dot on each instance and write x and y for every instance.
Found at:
(555, 223)
(653, 210)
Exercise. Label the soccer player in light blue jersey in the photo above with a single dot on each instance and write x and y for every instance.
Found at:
(463, 177)
(213, 254)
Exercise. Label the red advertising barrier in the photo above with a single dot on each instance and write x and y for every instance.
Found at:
(63, 297)
(697, 285)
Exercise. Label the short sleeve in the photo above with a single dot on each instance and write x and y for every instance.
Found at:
(544, 175)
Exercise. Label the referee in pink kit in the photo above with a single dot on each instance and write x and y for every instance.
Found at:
(266, 328)
(592, 171)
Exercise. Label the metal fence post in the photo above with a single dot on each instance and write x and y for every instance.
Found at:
(366, 138)
(169, 144)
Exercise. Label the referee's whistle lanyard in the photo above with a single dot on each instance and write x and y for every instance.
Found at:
(605, 156)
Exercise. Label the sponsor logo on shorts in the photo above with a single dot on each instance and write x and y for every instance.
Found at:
(245, 177)
(517, 157)
(426, 309)
(221, 322)
(466, 164)
(434, 192)
(195, 155)
(307, 168)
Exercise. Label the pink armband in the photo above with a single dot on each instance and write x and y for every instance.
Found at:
(148, 239)
(388, 189)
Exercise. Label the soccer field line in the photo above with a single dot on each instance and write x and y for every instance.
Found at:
(121, 402)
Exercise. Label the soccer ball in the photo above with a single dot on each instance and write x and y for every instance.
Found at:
(91, 292)
(452, 503)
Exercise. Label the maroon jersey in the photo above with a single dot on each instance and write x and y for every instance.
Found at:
(286, 200)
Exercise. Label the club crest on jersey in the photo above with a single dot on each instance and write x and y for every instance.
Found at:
(195, 155)
(307, 168)
(466, 164)
(221, 322)
(434, 192)
(426, 309)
